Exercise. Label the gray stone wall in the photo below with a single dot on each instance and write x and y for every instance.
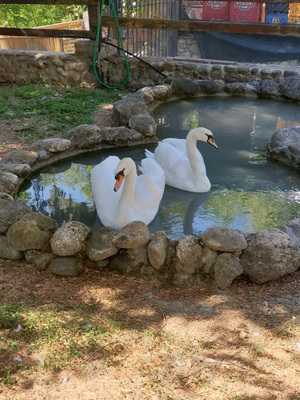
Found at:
(55, 68)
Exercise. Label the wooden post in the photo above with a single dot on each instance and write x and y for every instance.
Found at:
(93, 15)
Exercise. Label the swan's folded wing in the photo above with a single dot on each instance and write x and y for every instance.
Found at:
(149, 190)
(152, 171)
(169, 157)
(102, 180)
(179, 144)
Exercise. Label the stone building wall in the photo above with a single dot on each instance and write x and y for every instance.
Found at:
(187, 45)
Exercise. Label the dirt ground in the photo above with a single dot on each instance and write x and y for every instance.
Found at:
(196, 343)
(9, 138)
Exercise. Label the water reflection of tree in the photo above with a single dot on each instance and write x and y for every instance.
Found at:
(266, 210)
(50, 194)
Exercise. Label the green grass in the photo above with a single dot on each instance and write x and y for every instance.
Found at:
(50, 111)
(58, 336)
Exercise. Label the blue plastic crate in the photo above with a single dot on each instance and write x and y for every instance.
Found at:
(277, 18)
(281, 8)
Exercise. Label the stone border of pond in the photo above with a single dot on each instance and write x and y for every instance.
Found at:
(218, 256)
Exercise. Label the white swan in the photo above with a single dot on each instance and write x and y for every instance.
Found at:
(121, 196)
(182, 162)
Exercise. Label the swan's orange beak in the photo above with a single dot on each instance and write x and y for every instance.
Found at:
(118, 180)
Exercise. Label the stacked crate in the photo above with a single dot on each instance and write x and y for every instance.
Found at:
(216, 11)
(294, 13)
(245, 11)
(277, 13)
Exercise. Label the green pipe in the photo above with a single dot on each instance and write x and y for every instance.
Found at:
(97, 48)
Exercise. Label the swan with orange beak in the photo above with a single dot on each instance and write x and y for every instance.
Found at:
(121, 196)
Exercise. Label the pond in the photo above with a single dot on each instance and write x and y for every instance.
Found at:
(248, 192)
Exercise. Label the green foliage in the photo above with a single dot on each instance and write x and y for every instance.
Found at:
(29, 16)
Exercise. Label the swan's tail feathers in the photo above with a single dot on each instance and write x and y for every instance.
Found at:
(149, 154)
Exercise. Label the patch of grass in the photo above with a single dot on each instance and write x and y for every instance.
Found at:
(50, 337)
(51, 111)
(9, 316)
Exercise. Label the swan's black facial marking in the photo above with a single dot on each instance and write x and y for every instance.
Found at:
(119, 177)
(211, 140)
(120, 174)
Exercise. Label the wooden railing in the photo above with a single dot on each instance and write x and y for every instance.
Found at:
(147, 23)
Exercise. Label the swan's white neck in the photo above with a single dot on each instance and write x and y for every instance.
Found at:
(128, 193)
(193, 154)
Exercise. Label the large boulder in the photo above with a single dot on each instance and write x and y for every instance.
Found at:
(210, 86)
(66, 266)
(21, 157)
(224, 240)
(285, 146)
(8, 182)
(143, 123)
(226, 268)
(158, 250)
(85, 136)
(43, 221)
(120, 135)
(100, 246)
(11, 212)
(53, 145)
(125, 108)
(17, 169)
(293, 230)
(27, 235)
(161, 92)
(188, 255)
(185, 87)
(208, 259)
(69, 239)
(269, 88)
(7, 251)
(39, 259)
(136, 234)
(290, 87)
(239, 89)
(130, 260)
(270, 255)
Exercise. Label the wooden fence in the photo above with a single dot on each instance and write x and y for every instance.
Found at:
(149, 27)
(43, 43)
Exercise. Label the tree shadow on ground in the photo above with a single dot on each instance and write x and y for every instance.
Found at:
(227, 329)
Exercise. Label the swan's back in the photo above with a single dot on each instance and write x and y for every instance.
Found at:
(102, 180)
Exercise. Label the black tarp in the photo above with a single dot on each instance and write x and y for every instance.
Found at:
(248, 48)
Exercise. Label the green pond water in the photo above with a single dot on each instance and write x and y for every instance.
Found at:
(248, 192)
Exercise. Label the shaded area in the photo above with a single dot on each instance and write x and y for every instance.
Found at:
(159, 341)
(248, 48)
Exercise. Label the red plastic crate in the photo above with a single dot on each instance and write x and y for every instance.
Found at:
(207, 10)
(244, 11)
(215, 11)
